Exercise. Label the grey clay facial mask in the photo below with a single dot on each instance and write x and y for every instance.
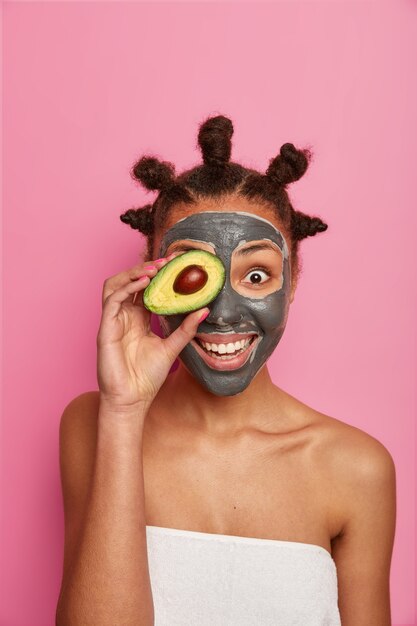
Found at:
(230, 311)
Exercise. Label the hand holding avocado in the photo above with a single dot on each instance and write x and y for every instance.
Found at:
(132, 361)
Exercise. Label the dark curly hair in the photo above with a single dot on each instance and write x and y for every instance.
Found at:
(218, 176)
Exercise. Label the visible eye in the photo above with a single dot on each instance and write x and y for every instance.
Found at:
(257, 276)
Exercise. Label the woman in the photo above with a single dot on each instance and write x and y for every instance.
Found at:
(210, 495)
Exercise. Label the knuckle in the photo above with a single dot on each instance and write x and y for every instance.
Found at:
(138, 267)
(107, 287)
(107, 299)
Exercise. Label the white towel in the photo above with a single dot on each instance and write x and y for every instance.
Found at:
(206, 579)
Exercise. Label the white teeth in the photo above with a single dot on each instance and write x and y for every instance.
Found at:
(227, 348)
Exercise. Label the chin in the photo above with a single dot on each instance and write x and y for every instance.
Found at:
(222, 384)
(226, 390)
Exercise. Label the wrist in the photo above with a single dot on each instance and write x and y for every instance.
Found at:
(111, 407)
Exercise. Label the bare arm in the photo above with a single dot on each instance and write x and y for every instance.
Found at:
(107, 580)
(364, 549)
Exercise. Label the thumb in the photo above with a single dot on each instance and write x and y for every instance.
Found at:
(185, 332)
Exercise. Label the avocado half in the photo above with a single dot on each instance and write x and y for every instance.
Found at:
(187, 283)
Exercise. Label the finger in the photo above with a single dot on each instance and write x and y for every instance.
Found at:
(114, 301)
(118, 280)
(136, 299)
(173, 255)
(159, 263)
(177, 341)
(149, 268)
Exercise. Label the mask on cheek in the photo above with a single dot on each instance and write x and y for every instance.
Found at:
(261, 320)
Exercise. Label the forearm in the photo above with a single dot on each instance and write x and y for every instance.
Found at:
(108, 581)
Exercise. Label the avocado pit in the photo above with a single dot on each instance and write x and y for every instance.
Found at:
(190, 280)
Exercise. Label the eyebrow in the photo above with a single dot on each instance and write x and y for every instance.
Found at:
(241, 251)
(255, 248)
(181, 246)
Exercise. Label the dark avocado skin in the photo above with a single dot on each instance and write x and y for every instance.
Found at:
(159, 297)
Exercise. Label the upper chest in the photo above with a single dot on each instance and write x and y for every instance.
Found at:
(256, 485)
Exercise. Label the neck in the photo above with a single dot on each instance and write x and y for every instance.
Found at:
(193, 405)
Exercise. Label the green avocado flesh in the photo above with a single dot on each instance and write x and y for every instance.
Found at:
(167, 294)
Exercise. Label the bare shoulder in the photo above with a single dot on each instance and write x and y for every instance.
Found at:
(345, 451)
(78, 431)
(351, 457)
(77, 442)
(79, 417)
(354, 454)
(363, 499)
(355, 474)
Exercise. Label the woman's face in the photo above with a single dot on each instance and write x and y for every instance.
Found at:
(248, 316)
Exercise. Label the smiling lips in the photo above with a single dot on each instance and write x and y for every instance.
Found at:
(224, 351)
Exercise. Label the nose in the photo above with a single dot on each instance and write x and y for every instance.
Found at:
(225, 310)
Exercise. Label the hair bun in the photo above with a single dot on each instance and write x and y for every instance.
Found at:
(289, 165)
(153, 173)
(214, 139)
(140, 219)
(303, 225)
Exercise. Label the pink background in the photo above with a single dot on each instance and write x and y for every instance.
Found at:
(90, 87)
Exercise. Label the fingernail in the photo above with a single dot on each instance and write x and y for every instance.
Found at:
(163, 259)
(140, 277)
(150, 267)
(203, 317)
